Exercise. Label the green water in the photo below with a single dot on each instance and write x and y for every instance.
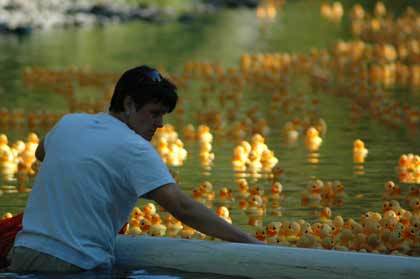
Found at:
(221, 38)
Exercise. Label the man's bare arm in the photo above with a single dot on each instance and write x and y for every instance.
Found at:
(196, 215)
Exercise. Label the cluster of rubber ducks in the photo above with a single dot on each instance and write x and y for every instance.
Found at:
(18, 118)
(393, 192)
(409, 168)
(395, 230)
(254, 156)
(390, 65)
(383, 27)
(332, 12)
(170, 146)
(267, 9)
(46, 78)
(323, 194)
(154, 221)
(66, 82)
(348, 68)
(204, 193)
(17, 162)
(292, 129)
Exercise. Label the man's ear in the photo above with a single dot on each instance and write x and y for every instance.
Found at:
(129, 106)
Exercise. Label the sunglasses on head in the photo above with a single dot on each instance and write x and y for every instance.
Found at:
(152, 75)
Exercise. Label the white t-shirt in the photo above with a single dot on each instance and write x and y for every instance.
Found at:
(95, 169)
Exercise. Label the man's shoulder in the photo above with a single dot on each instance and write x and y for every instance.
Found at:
(74, 117)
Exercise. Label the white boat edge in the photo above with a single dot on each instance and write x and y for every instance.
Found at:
(258, 261)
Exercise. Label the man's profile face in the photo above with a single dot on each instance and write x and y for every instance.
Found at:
(147, 119)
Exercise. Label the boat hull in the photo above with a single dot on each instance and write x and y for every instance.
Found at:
(258, 261)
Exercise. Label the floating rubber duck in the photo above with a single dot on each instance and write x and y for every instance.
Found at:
(292, 231)
(254, 163)
(271, 232)
(359, 151)
(207, 191)
(226, 196)
(144, 224)
(4, 147)
(277, 171)
(328, 243)
(157, 229)
(223, 212)
(134, 227)
(392, 191)
(198, 196)
(7, 215)
(325, 215)
(415, 206)
(243, 188)
(260, 234)
(291, 133)
(173, 226)
(413, 193)
(312, 141)
(149, 210)
(268, 160)
(187, 232)
(255, 210)
(276, 193)
(311, 197)
(8, 168)
(189, 132)
(136, 213)
(22, 178)
(17, 148)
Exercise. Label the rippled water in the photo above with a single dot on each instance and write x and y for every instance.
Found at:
(219, 38)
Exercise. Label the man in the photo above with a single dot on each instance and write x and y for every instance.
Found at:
(94, 168)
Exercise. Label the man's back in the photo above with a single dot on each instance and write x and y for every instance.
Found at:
(81, 196)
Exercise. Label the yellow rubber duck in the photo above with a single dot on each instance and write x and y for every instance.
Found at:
(328, 243)
(243, 188)
(7, 215)
(255, 210)
(189, 132)
(207, 191)
(276, 191)
(223, 212)
(136, 213)
(325, 215)
(149, 210)
(292, 232)
(312, 141)
(157, 229)
(272, 231)
(173, 228)
(144, 224)
(226, 196)
(134, 227)
(8, 167)
(359, 151)
(187, 232)
(260, 234)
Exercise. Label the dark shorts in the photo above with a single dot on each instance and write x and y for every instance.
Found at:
(23, 260)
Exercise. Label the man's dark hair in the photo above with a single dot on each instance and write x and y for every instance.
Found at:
(139, 84)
